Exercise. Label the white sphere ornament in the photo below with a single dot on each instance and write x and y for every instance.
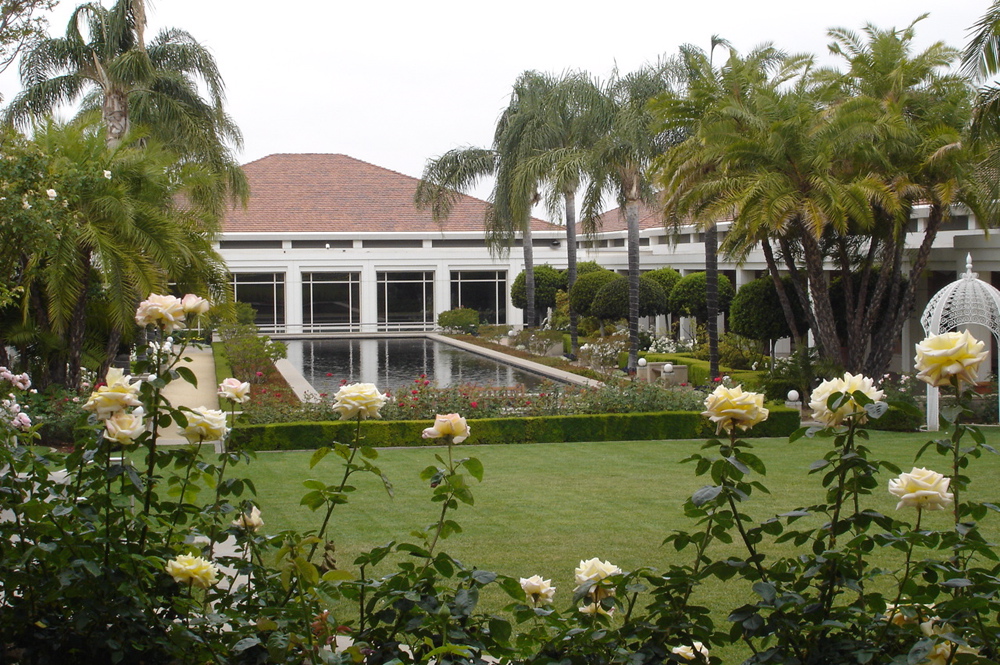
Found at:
(668, 368)
(793, 395)
(642, 362)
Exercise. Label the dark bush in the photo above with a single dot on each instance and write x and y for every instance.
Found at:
(548, 280)
(611, 302)
(461, 319)
(688, 296)
(756, 311)
(581, 296)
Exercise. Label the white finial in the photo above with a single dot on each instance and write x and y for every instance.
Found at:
(968, 262)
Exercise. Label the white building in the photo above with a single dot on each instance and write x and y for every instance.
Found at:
(330, 244)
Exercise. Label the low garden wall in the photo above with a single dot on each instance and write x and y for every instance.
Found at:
(548, 429)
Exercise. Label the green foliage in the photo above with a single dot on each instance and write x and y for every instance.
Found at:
(688, 296)
(585, 290)
(460, 319)
(611, 302)
(250, 354)
(548, 281)
(756, 311)
(667, 278)
(587, 267)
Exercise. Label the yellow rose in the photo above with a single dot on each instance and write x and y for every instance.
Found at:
(193, 570)
(731, 407)
(940, 357)
(537, 589)
(234, 390)
(358, 400)
(251, 521)
(921, 488)
(696, 650)
(164, 311)
(118, 394)
(595, 571)
(125, 428)
(205, 424)
(849, 383)
(450, 424)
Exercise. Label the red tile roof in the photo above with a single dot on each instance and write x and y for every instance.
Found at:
(614, 219)
(336, 193)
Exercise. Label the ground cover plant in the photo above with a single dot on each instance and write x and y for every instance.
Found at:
(160, 555)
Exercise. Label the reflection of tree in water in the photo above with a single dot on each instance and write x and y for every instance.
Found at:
(394, 363)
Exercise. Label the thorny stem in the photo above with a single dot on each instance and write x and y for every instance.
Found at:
(906, 576)
(728, 484)
(343, 483)
(184, 485)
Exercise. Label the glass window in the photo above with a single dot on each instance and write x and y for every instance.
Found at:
(483, 291)
(405, 300)
(330, 300)
(265, 292)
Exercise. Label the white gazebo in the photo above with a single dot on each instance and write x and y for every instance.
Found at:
(967, 300)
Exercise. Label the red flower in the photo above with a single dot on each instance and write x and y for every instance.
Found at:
(423, 376)
(684, 384)
(329, 373)
(402, 404)
(260, 373)
(322, 394)
(427, 383)
(473, 404)
(414, 392)
(416, 380)
(528, 403)
(343, 382)
(717, 379)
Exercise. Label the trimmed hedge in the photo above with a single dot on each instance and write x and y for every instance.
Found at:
(549, 429)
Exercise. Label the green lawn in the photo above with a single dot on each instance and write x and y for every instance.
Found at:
(543, 507)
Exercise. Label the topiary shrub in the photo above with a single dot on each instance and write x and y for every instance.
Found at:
(667, 279)
(582, 295)
(756, 311)
(461, 319)
(611, 302)
(587, 267)
(548, 280)
(688, 296)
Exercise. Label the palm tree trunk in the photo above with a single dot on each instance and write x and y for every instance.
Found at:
(570, 203)
(632, 220)
(779, 286)
(712, 297)
(826, 327)
(115, 113)
(77, 326)
(529, 276)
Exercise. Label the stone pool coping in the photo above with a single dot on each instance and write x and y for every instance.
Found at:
(303, 389)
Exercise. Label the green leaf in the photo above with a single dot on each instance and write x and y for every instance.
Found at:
(186, 374)
(337, 576)
(475, 468)
(368, 452)
(705, 494)
(318, 456)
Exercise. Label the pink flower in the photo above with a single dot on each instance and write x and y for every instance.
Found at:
(260, 373)
(427, 383)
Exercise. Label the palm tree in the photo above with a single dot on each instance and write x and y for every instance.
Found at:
(104, 62)
(618, 161)
(121, 234)
(518, 134)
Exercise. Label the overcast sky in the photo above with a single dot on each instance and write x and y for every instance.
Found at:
(394, 83)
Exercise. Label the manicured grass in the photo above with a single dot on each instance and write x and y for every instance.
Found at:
(543, 507)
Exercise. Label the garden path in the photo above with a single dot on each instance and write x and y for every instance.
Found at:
(182, 393)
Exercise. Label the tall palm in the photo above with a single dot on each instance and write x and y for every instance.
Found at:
(618, 161)
(104, 63)
(516, 137)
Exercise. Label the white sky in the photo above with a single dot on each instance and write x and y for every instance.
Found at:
(394, 83)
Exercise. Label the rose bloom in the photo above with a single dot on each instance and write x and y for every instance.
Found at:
(193, 570)
(696, 650)
(194, 305)
(731, 407)
(594, 570)
(251, 521)
(450, 424)
(205, 424)
(847, 384)
(165, 311)
(940, 357)
(596, 608)
(944, 650)
(358, 400)
(537, 589)
(117, 395)
(125, 428)
(921, 488)
(234, 390)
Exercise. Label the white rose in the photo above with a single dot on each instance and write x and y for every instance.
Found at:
(940, 357)
(193, 570)
(117, 395)
(165, 311)
(848, 384)
(51, 193)
(125, 428)
(358, 400)
(697, 649)
(251, 521)
(194, 305)
(107, 174)
(234, 390)
(205, 425)
(450, 424)
(731, 407)
(921, 488)
(595, 571)
(538, 590)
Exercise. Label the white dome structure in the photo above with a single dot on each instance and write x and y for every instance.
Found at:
(967, 300)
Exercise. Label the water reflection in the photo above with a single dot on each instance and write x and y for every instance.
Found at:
(393, 363)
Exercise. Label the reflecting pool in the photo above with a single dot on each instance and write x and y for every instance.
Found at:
(394, 363)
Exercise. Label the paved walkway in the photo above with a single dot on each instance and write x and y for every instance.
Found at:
(182, 393)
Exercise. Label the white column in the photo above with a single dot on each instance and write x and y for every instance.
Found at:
(293, 299)
(369, 298)
(442, 289)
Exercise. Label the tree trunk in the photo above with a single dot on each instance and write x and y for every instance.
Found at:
(569, 198)
(78, 326)
(712, 297)
(115, 112)
(779, 286)
(826, 327)
(632, 220)
(529, 276)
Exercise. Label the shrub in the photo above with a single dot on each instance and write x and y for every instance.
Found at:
(587, 267)
(756, 311)
(250, 354)
(667, 278)
(548, 280)
(688, 296)
(612, 301)
(460, 319)
(581, 296)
